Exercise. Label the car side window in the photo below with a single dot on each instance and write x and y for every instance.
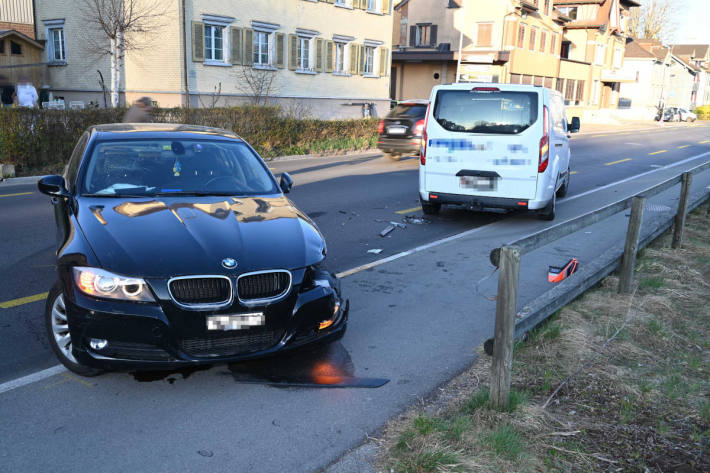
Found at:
(74, 161)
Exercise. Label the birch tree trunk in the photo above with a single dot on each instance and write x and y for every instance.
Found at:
(114, 73)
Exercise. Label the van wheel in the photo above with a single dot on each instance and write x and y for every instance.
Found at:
(562, 191)
(548, 213)
(430, 208)
(56, 323)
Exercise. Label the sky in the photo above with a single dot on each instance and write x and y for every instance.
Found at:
(694, 23)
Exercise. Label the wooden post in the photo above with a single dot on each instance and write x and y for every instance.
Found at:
(628, 261)
(506, 302)
(686, 181)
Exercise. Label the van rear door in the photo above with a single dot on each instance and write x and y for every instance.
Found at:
(484, 141)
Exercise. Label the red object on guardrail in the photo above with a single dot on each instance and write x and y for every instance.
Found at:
(557, 274)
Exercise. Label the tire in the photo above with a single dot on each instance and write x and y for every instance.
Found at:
(430, 208)
(394, 157)
(688, 120)
(548, 212)
(58, 333)
(562, 191)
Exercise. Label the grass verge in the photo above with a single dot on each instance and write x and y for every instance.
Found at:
(642, 406)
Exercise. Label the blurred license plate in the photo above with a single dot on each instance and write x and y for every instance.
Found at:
(235, 322)
(397, 130)
(478, 183)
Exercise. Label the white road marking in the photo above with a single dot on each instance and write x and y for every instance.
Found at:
(32, 378)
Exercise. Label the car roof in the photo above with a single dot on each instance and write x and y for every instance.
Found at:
(158, 130)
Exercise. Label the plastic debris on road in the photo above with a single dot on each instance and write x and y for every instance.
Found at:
(375, 251)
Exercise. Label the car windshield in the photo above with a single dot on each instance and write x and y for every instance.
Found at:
(472, 111)
(153, 167)
(409, 110)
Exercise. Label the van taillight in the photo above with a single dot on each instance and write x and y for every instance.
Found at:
(381, 127)
(419, 127)
(422, 148)
(544, 158)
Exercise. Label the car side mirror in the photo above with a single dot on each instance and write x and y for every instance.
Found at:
(286, 183)
(53, 186)
(575, 125)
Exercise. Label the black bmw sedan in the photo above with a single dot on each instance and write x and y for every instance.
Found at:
(177, 246)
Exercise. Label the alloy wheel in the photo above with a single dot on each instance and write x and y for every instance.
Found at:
(60, 328)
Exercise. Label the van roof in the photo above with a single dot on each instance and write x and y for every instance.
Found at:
(473, 85)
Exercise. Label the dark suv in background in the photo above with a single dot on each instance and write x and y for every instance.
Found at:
(401, 131)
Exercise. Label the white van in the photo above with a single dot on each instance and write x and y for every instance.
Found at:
(495, 146)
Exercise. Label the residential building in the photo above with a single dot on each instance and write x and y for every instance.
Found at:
(17, 15)
(649, 63)
(576, 47)
(697, 55)
(324, 58)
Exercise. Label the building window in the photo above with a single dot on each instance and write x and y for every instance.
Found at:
(340, 67)
(547, 7)
(369, 60)
(571, 12)
(618, 58)
(2, 46)
(423, 35)
(599, 54)
(595, 93)
(484, 34)
(569, 91)
(214, 37)
(543, 41)
(56, 36)
(564, 52)
(304, 54)
(553, 43)
(15, 48)
(521, 36)
(580, 92)
(372, 5)
(262, 48)
(531, 42)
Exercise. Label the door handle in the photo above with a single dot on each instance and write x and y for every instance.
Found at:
(558, 145)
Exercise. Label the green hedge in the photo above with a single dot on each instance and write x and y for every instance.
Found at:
(41, 141)
(703, 112)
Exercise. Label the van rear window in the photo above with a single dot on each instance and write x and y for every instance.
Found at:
(502, 112)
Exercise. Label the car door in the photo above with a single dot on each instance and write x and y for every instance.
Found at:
(559, 137)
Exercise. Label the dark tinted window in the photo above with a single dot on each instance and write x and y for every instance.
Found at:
(485, 112)
(15, 48)
(408, 110)
(161, 166)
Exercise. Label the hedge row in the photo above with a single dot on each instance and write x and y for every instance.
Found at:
(39, 141)
(703, 112)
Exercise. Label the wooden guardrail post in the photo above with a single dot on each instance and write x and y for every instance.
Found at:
(685, 182)
(628, 260)
(509, 264)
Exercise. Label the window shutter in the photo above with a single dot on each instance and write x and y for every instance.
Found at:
(319, 55)
(353, 58)
(361, 53)
(236, 45)
(413, 35)
(198, 41)
(385, 6)
(433, 35)
(383, 62)
(329, 56)
(362, 5)
(292, 51)
(280, 45)
(248, 57)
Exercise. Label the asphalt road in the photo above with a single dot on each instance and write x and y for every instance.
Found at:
(351, 198)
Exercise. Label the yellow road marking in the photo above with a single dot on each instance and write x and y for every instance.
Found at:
(617, 162)
(658, 152)
(408, 211)
(23, 300)
(684, 146)
(703, 142)
(15, 195)
(573, 173)
(77, 380)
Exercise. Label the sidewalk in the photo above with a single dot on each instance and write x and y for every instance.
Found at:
(593, 128)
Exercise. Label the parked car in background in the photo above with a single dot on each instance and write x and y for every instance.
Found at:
(499, 146)
(400, 132)
(178, 247)
(687, 115)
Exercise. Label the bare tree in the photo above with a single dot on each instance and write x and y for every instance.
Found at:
(656, 19)
(215, 97)
(116, 26)
(258, 84)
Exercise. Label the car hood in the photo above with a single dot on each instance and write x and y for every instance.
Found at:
(174, 236)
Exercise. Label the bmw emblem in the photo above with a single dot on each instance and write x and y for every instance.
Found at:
(229, 263)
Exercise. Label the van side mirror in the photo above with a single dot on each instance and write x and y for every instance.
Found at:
(286, 183)
(53, 186)
(575, 125)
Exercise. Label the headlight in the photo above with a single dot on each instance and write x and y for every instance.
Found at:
(99, 283)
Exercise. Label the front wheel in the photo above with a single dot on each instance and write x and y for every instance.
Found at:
(57, 325)
(430, 208)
